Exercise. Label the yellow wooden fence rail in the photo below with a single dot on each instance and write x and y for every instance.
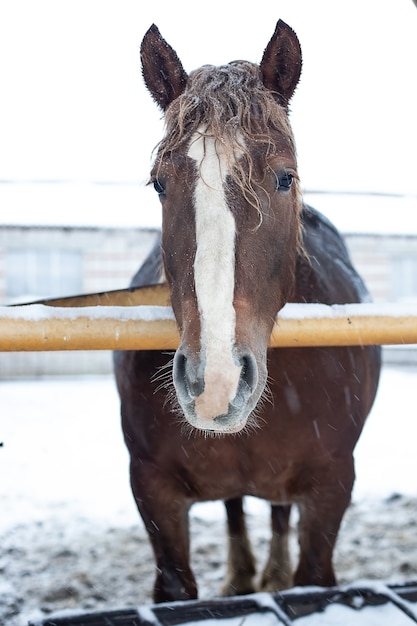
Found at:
(39, 327)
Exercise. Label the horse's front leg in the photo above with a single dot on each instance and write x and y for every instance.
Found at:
(240, 563)
(278, 572)
(321, 513)
(164, 511)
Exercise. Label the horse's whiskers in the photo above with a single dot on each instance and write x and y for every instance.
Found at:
(267, 395)
(163, 376)
(171, 399)
(163, 370)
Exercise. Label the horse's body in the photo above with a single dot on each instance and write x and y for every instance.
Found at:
(302, 451)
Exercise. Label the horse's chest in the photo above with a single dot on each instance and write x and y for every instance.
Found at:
(224, 469)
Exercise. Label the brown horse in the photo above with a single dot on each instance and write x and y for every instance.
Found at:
(237, 244)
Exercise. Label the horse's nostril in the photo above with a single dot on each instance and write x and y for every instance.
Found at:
(186, 377)
(179, 376)
(249, 373)
(179, 364)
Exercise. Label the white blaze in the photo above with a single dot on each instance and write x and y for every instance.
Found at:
(214, 275)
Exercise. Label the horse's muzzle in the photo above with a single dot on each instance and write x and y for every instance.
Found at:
(222, 401)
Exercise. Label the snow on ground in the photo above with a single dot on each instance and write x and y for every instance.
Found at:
(70, 536)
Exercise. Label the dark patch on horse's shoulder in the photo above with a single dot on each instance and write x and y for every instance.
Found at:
(329, 277)
(309, 216)
(321, 238)
(314, 219)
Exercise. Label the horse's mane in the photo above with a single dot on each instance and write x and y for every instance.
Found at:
(231, 104)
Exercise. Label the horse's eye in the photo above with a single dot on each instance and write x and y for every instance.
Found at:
(284, 181)
(159, 187)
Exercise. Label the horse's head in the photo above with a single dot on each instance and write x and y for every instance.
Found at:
(226, 175)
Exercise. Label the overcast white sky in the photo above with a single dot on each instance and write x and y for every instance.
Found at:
(73, 106)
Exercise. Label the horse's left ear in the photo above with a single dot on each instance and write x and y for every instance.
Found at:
(162, 70)
(281, 63)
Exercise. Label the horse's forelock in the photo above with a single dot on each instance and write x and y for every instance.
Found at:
(228, 101)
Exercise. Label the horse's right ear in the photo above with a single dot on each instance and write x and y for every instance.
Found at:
(281, 63)
(162, 70)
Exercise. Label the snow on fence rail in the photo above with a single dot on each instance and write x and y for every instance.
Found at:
(38, 327)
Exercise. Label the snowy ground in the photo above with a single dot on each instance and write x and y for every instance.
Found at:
(70, 536)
